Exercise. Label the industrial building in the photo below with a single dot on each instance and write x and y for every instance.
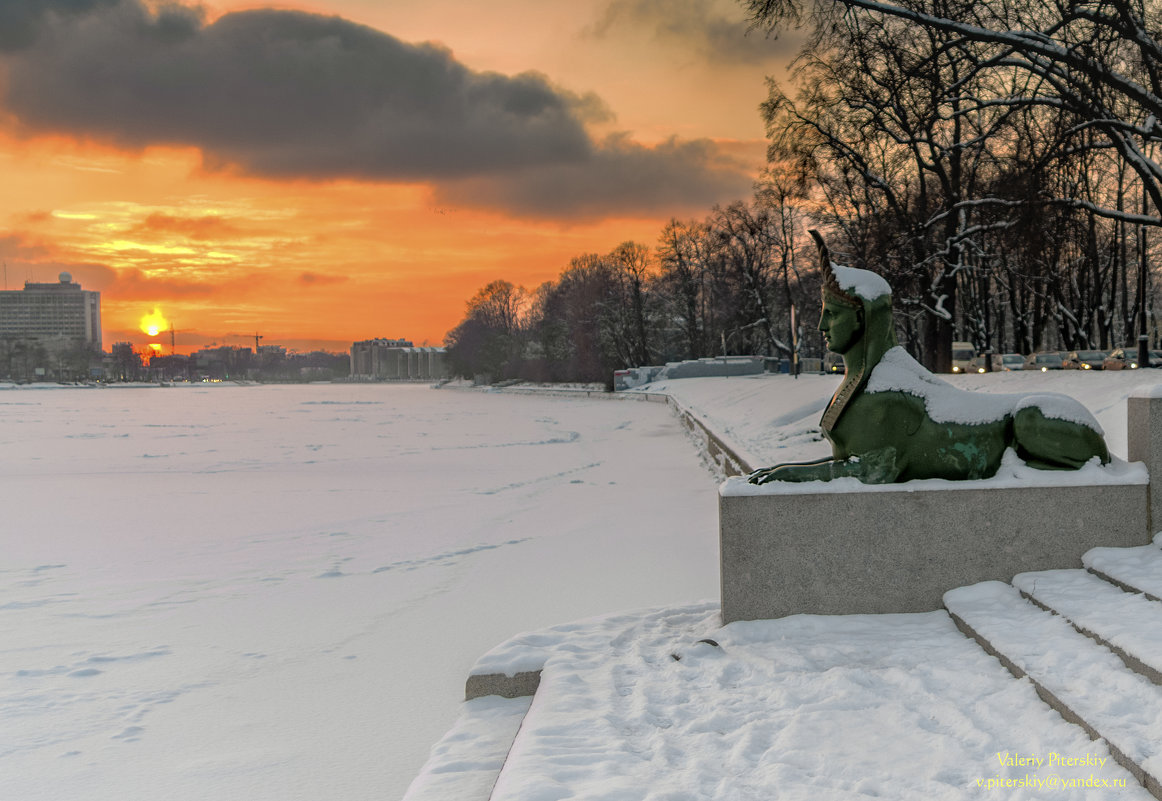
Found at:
(396, 359)
(52, 314)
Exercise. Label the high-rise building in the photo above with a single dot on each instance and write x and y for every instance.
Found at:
(396, 359)
(61, 312)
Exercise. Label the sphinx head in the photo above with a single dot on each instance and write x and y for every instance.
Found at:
(856, 322)
(841, 322)
(857, 307)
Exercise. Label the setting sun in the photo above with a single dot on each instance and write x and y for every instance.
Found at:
(154, 323)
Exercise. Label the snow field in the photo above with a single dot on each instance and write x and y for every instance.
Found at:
(277, 592)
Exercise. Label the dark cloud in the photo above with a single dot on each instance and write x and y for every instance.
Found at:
(17, 246)
(21, 20)
(318, 279)
(205, 227)
(89, 275)
(679, 176)
(292, 95)
(715, 30)
(288, 94)
(136, 285)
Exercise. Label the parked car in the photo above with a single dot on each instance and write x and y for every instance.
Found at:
(1010, 361)
(1155, 357)
(1121, 359)
(1084, 360)
(1049, 360)
(833, 363)
(1001, 362)
(962, 354)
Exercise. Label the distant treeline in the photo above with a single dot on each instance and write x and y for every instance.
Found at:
(724, 284)
(995, 161)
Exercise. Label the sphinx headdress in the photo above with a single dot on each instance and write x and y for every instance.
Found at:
(870, 293)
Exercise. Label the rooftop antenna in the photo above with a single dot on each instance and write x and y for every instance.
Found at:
(172, 349)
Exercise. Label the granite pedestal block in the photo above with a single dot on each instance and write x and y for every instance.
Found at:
(841, 547)
(1144, 430)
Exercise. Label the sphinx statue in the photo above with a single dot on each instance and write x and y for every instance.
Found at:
(892, 420)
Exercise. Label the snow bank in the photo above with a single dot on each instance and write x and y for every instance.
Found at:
(532, 649)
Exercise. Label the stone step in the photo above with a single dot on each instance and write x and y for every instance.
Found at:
(1083, 680)
(1129, 624)
(465, 764)
(1136, 569)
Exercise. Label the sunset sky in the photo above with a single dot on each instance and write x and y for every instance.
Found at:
(326, 171)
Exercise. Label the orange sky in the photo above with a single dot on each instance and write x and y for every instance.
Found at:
(198, 184)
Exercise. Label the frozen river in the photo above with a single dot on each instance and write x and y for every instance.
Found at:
(276, 592)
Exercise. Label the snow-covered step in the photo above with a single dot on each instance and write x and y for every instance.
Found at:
(465, 764)
(1130, 624)
(1081, 679)
(1139, 569)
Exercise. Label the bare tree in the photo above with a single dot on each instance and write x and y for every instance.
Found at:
(682, 283)
(489, 340)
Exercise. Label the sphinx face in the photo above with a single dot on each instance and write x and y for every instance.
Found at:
(842, 326)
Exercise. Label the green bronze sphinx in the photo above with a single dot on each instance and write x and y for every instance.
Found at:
(892, 420)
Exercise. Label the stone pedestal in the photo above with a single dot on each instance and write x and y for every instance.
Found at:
(1144, 427)
(842, 547)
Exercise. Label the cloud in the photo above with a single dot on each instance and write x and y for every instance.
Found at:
(676, 175)
(89, 275)
(716, 30)
(205, 227)
(288, 94)
(17, 246)
(21, 20)
(28, 260)
(318, 279)
(293, 95)
(133, 284)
